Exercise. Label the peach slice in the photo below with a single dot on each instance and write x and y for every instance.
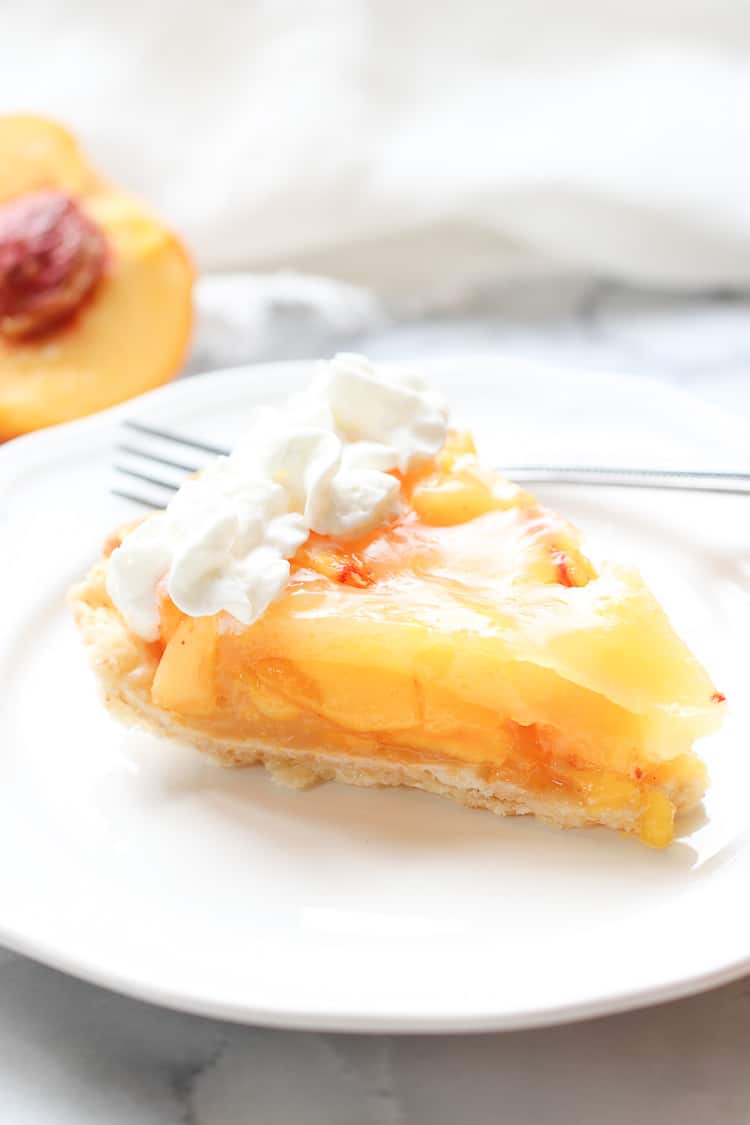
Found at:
(186, 677)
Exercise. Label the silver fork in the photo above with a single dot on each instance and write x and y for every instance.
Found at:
(152, 463)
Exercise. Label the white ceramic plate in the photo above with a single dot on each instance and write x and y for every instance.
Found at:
(141, 866)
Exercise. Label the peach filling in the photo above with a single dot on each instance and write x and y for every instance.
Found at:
(208, 674)
(370, 694)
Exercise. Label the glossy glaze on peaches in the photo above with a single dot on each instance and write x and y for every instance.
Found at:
(470, 633)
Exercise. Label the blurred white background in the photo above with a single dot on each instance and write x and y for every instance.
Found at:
(418, 147)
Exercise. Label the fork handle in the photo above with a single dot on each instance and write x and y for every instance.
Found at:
(683, 480)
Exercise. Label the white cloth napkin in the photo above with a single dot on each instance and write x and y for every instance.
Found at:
(417, 147)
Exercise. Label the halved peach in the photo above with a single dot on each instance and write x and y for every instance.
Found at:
(37, 154)
(131, 332)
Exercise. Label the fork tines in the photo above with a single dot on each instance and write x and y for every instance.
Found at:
(155, 465)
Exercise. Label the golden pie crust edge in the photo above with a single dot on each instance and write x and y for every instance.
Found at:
(124, 666)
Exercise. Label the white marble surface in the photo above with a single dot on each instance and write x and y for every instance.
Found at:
(74, 1054)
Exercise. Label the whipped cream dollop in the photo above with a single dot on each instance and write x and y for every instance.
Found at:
(323, 463)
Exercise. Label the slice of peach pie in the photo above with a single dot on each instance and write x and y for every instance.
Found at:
(352, 596)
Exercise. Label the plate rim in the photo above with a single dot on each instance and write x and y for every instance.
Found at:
(318, 1020)
(26, 445)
